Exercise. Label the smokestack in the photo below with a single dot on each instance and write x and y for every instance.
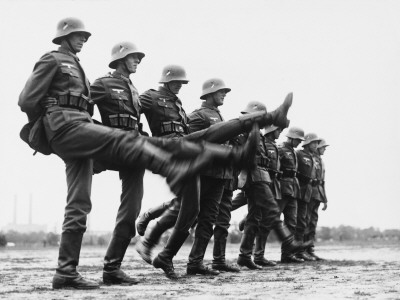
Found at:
(30, 209)
(15, 209)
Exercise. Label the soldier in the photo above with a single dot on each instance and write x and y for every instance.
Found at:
(272, 164)
(290, 185)
(262, 206)
(212, 182)
(307, 176)
(56, 98)
(167, 118)
(318, 196)
(118, 102)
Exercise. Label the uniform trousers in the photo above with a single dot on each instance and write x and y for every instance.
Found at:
(312, 219)
(288, 206)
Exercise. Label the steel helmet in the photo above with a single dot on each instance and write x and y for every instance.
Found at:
(322, 143)
(254, 106)
(270, 128)
(213, 85)
(310, 137)
(296, 133)
(173, 73)
(121, 50)
(67, 26)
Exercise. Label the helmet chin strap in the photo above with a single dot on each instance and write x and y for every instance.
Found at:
(70, 45)
(167, 85)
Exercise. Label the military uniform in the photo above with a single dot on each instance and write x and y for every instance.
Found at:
(213, 181)
(289, 185)
(306, 176)
(74, 138)
(318, 196)
(272, 164)
(262, 207)
(118, 102)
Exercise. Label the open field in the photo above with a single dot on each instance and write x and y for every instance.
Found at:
(351, 271)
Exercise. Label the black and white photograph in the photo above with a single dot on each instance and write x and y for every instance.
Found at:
(187, 149)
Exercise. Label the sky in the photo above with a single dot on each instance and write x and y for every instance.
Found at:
(341, 60)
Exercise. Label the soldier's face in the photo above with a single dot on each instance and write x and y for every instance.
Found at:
(76, 40)
(175, 86)
(219, 97)
(296, 142)
(277, 133)
(131, 62)
(313, 146)
(321, 150)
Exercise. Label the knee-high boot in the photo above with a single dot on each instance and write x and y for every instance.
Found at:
(219, 262)
(246, 249)
(67, 275)
(195, 264)
(151, 214)
(146, 245)
(223, 131)
(112, 273)
(259, 250)
(164, 259)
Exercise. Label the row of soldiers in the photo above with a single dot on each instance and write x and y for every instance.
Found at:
(283, 181)
(59, 102)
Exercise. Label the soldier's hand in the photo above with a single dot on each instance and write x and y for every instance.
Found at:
(47, 102)
(325, 206)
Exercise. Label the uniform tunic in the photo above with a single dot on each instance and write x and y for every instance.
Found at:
(289, 184)
(317, 197)
(213, 183)
(118, 102)
(164, 113)
(306, 175)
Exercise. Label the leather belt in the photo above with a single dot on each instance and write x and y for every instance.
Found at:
(289, 173)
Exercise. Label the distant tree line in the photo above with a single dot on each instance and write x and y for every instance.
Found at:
(341, 234)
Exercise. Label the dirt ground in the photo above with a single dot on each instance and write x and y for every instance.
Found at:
(349, 272)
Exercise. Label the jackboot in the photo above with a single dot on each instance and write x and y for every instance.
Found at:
(305, 256)
(68, 259)
(176, 171)
(146, 244)
(219, 262)
(246, 248)
(278, 117)
(112, 273)
(164, 259)
(195, 264)
(289, 244)
(259, 250)
(151, 214)
(238, 156)
(311, 252)
(289, 258)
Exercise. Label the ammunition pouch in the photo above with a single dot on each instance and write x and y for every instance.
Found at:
(173, 126)
(78, 101)
(125, 121)
(262, 161)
